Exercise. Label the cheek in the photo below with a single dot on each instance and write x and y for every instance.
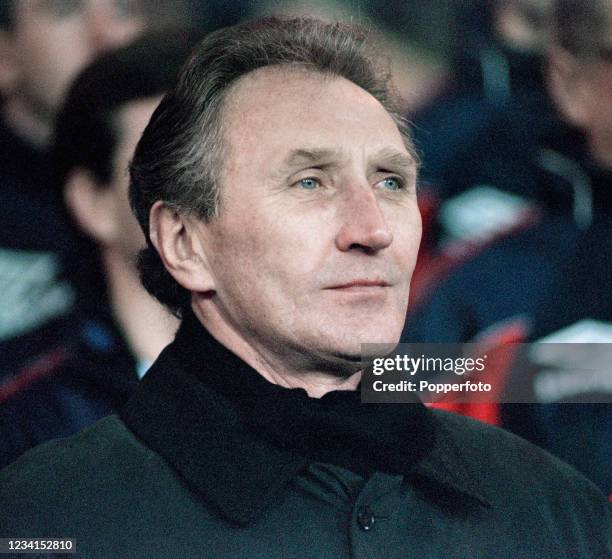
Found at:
(272, 258)
(407, 234)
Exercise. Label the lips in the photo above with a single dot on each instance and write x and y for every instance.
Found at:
(360, 284)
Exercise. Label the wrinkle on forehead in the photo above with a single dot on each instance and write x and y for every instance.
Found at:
(267, 79)
(323, 156)
(274, 87)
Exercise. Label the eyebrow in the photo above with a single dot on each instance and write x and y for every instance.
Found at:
(303, 156)
(398, 161)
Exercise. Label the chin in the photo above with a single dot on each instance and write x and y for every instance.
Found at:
(377, 332)
(349, 347)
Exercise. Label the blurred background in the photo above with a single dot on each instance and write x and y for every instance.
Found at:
(511, 108)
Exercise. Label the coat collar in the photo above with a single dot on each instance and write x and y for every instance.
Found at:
(238, 440)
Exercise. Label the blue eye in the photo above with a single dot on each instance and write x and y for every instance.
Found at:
(391, 183)
(309, 183)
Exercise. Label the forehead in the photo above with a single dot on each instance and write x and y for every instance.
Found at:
(281, 108)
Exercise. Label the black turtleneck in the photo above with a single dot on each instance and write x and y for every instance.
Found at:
(336, 428)
(238, 439)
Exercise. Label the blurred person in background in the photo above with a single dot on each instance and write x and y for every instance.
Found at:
(555, 274)
(478, 138)
(117, 329)
(43, 44)
(577, 306)
(573, 183)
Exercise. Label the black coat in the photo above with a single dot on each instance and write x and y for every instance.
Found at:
(210, 460)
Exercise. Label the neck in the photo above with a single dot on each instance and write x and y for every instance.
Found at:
(275, 368)
(147, 326)
(26, 123)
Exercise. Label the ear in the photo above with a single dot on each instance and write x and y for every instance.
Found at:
(9, 64)
(92, 206)
(567, 87)
(176, 238)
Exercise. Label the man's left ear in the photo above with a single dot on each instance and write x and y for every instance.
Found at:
(175, 236)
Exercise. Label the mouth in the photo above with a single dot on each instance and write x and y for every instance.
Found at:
(361, 286)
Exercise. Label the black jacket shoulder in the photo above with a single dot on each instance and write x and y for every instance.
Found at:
(524, 479)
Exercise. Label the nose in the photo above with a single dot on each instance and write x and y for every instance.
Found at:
(363, 223)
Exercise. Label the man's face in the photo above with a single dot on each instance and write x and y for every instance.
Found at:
(314, 246)
(54, 39)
